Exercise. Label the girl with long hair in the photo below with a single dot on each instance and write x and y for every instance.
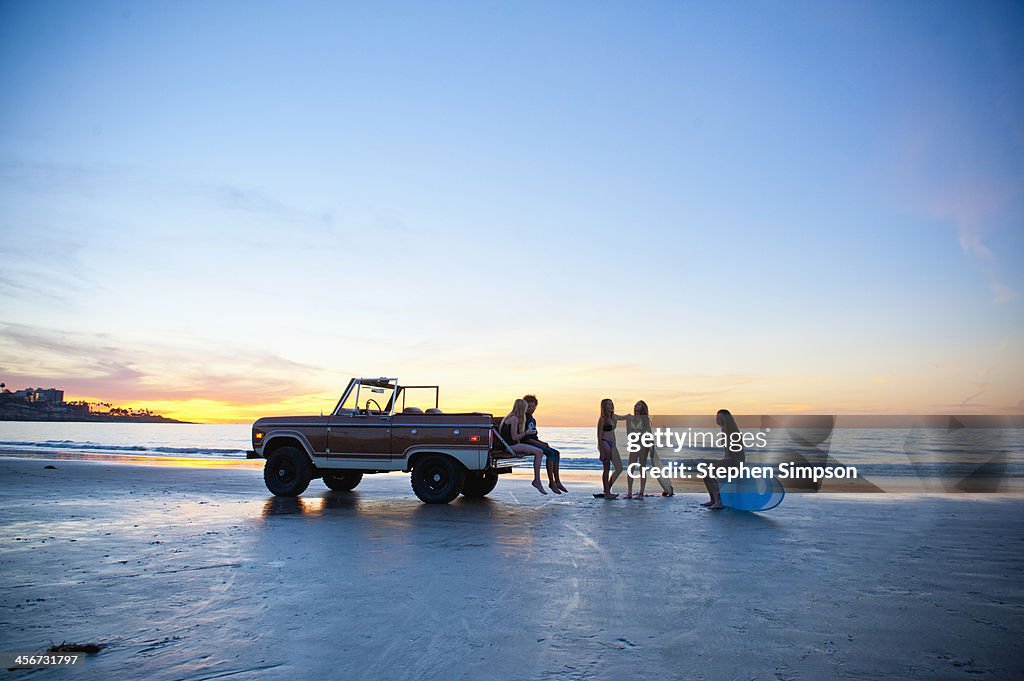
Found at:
(640, 423)
(606, 447)
(734, 456)
(513, 430)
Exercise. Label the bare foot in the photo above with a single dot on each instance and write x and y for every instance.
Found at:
(561, 487)
(668, 494)
(629, 495)
(707, 503)
(554, 489)
(716, 507)
(611, 496)
(539, 486)
(599, 495)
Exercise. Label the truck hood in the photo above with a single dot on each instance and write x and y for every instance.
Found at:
(281, 421)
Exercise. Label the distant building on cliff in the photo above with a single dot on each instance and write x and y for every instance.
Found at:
(40, 395)
(47, 404)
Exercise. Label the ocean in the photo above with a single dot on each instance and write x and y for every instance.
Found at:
(894, 452)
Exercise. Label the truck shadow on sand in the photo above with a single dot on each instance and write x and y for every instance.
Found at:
(369, 507)
(465, 524)
(354, 503)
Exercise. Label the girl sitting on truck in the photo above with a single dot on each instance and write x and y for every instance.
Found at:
(513, 430)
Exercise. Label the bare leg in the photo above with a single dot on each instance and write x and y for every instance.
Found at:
(711, 492)
(558, 479)
(552, 485)
(633, 458)
(643, 472)
(528, 450)
(616, 461)
(606, 463)
(666, 484)
(536, 472)
(716, 495)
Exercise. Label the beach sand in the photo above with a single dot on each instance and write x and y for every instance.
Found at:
(193, 571)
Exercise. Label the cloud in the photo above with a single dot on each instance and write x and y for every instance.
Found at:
(100, 366)
(982, 389)
(947, 172)
(253, 200)
(975, 207)
(970, 243)
(97, 179)
(46, 203)
(1001, 293)
(12, 286)
(392, 223)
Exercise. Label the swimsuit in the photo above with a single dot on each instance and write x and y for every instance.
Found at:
(506, 433)
(608, 429)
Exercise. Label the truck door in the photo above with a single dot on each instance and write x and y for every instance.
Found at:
(363, 431)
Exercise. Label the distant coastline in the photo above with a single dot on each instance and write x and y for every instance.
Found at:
(90, 418)
(47, 404)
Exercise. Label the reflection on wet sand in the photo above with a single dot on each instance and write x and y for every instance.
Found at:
(173, 461)
(461, 521)
(193, 574)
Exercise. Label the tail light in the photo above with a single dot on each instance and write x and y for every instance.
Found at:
(474, 438)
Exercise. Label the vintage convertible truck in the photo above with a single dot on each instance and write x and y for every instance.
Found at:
(371, 430)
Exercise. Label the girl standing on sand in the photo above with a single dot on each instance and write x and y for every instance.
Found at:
(606, 446)
(734, 456)
(513, 430)
(640, 423)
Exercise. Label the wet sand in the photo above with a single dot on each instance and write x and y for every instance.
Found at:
(189, 572)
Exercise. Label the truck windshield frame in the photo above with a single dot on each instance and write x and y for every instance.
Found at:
(374, 387)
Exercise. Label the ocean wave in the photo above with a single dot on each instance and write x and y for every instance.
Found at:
(106, 448)
(950, 469)
(578, 451)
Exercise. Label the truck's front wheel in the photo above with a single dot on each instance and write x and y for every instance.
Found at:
(479, 484)
(437, 479)
(287, 472)
(342, 481)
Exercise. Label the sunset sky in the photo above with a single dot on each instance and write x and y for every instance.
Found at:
(222, 210)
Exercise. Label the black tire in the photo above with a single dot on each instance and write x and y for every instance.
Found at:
(287, 472)
(479, 484)
(342, 481)
(437, 479)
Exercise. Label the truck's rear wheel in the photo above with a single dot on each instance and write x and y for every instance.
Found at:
(342, 481)
(479, 484)
(437, 479)
(287, 472)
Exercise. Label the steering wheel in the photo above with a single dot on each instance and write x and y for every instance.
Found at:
(379, 410)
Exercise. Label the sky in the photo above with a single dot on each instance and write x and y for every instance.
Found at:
(224, 210)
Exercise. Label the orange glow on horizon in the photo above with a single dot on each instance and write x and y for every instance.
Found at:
(556, 410)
